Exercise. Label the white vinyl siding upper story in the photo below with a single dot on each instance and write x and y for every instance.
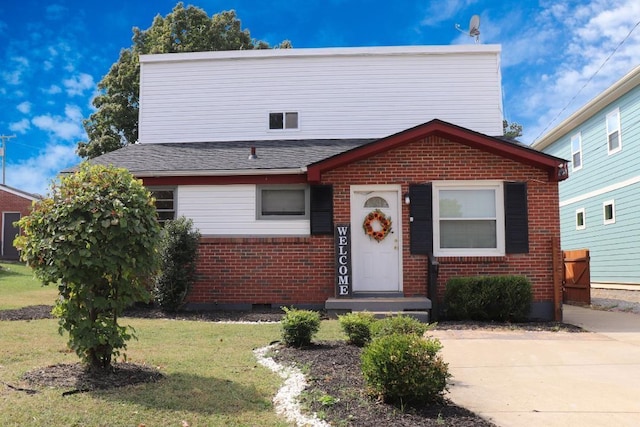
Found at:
(231, 210)
(336, 92)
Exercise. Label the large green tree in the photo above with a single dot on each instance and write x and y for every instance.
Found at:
(97, 237)
(190, 29)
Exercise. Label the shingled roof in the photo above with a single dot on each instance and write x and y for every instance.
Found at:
(225, 158)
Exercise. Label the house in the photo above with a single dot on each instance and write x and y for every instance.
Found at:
(599, 203)
(344, 178)
(14, 204)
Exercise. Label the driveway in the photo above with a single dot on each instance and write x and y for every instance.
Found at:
(525, 378)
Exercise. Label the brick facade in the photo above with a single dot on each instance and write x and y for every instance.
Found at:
(247, 271)
(11, 201)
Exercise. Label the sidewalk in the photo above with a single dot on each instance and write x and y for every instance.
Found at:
(524, 378)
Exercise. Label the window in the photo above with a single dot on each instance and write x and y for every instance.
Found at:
(165, 203)
(282, 202)
(614, 140)
(468, 218)
(576, 151)
(609, 212)
(376, 202)
(580, 219)
(287, 120)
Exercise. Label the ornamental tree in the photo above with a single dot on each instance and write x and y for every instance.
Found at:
(96, 237)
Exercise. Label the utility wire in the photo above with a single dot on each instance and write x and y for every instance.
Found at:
(588, 81)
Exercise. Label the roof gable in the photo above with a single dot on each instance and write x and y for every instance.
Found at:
(556, 167)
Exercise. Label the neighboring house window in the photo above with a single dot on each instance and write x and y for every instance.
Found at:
(614, 139)
(288, 120)
(580, 219)
(165, 203)
(282, 202)
(609, 212)
(468, 218)
(576, 151)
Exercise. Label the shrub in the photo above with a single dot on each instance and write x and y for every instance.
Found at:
(357, 326)
(400, 324)
(499, 298)
(95, 236)
(299, 326)
(178, 252)
(404, 369)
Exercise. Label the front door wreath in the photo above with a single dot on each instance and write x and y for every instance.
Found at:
(383, 228)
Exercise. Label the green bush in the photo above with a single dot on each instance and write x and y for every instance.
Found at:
(357, 326)
(498, 298)
(405, 369)
(299, 326)
(400, 324)
(178, 251)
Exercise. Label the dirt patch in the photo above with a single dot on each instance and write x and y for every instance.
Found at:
(76, 378)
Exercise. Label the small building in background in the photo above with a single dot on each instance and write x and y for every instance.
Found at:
(14, 204)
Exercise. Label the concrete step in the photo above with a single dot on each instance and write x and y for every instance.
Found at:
(382, 304)
(422, 316)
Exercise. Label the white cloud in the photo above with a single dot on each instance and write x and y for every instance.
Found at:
(77, 85)
(52, 90)
(66, 128)
(24, 107)
(564, 50)
(20, 127)
(35, 174)
(439, 11)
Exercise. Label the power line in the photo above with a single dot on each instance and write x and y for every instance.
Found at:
(3, 152)
(588, 81)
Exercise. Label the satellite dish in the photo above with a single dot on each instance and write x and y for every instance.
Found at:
(474, 28)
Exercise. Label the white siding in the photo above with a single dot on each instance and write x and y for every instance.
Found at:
(230, 210)
(338, 93)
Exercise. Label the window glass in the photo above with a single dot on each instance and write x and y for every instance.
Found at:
(291, 121)
(580, 219)
(609, 212)
(276, 121)
(283, 202)
(376, 202)
(469, 220)
(576, 151)
(165, 204)
(613, 131)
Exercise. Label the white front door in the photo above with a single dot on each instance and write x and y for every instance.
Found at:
(376, 259)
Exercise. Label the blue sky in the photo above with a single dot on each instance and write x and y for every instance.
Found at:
(54, 53)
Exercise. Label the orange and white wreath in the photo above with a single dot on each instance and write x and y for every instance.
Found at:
(377, 225)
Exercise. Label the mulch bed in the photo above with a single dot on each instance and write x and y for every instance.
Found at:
(336, 391)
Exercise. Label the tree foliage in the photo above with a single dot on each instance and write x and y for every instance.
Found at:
(178, 253)
(96, 236)
(190, 29)
(511, 130)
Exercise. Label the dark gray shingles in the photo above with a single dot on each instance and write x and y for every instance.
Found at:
(226, 156)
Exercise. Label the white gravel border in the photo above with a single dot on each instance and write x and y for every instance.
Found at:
(286, 400)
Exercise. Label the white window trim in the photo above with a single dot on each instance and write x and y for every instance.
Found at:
(307, 203)
(619, 129)
(584, 219)
(284, 121)
(497, 186)
(573, 166)
(606, 221)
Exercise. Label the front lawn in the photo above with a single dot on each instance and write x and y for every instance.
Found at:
(19, 288)
(211, 377)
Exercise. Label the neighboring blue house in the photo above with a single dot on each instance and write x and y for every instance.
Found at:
(600, 202)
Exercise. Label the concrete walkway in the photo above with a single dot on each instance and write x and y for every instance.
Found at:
(524, 378)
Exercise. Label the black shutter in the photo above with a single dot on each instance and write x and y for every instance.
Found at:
(321, 202)
(421, 218)
(516, 220)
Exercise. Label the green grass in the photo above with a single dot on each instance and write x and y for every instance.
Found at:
(212, 377)
(19, 288)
